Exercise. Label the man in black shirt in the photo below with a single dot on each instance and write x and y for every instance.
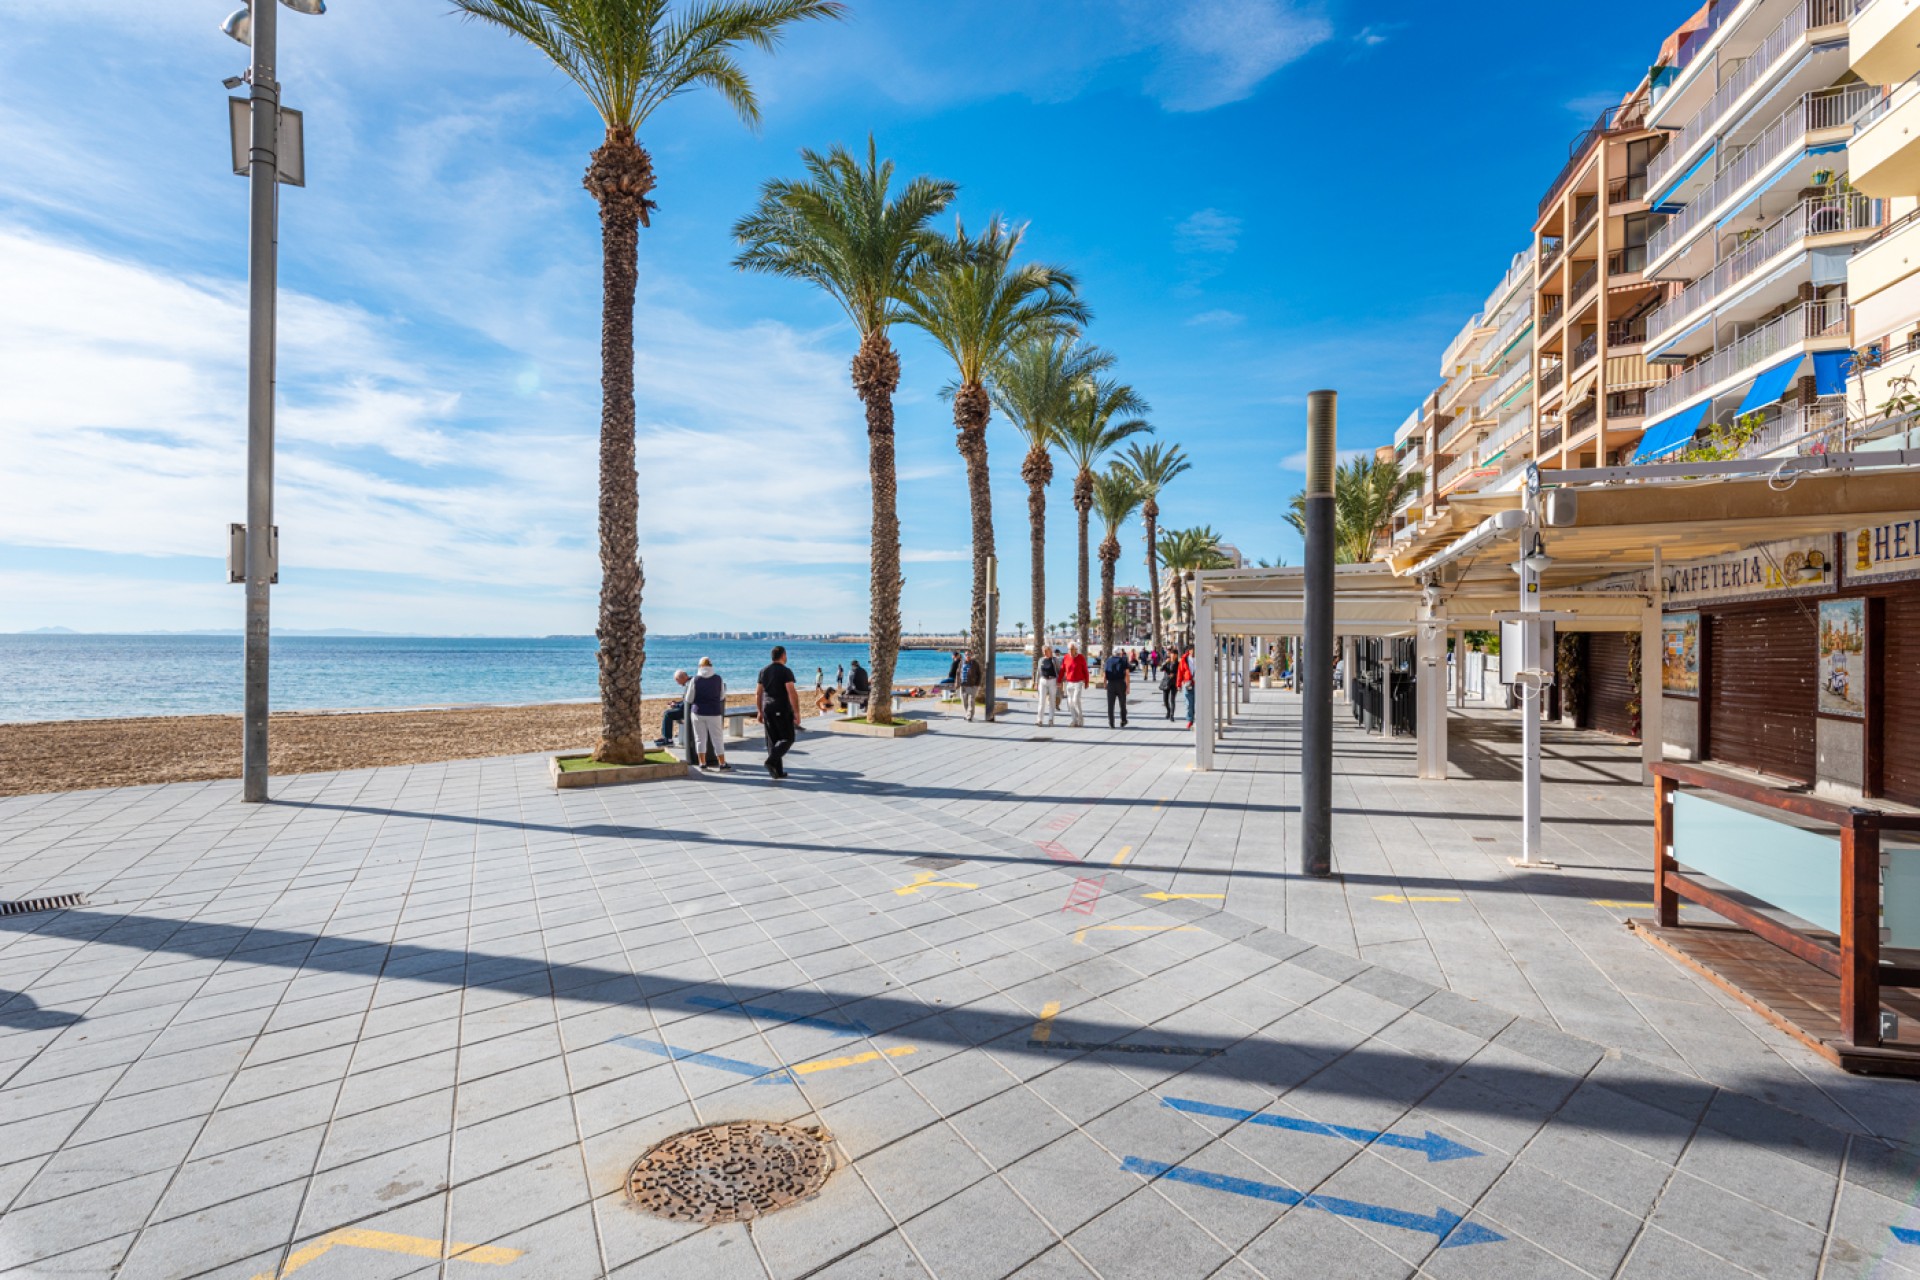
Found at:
(777, 698)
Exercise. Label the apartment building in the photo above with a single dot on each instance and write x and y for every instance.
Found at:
(1760, 221)
(1883, 276)
(1593, 293)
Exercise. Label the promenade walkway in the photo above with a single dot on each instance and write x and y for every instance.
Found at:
(1057, 998)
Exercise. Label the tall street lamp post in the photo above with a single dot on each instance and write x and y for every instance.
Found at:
(254, 26)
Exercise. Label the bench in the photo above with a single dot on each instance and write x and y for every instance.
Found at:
(733, 726)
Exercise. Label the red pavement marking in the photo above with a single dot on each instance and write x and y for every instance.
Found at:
(1085, 894)
(1057, 851)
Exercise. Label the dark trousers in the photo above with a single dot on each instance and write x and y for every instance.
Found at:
(1167, 695)
(670, 721)
(1117, 699)
(779, 739)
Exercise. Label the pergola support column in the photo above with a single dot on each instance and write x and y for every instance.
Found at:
(1653, 738)
(1203, 657)
(1430, 692)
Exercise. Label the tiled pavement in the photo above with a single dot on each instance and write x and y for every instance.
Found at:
(404, 1011)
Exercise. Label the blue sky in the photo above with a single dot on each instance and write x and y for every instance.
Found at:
(1260, 197)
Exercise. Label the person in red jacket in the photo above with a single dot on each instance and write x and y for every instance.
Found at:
(1073, 682)
(1183, 679)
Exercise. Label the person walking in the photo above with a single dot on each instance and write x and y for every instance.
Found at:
(675, 713)
(777, 700)
(706, 704)
(1046, 683)
(1119, 674)
(1169, 682)
(1183, 678)
(819, 679)
(840, 675)
(1073, 683)
(969, 684)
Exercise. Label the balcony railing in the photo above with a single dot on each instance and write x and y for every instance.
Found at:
(1821, 109)
(1550, 250)
(1820, 215)
(1587, 349)
(1512, 427)
(1627, 118)
(1501, 389)
(1551, 376)
(1550, 436)
(1626, 333)
(1628, 260)
(1628, 189)
(1627, 404)
(1555, 306)
(1582, 418)
(1745, 76)
(1808, 428)
(1823, 318)
(1586, 212)
(1584, 282)
(1694, 41)
(1454, 470)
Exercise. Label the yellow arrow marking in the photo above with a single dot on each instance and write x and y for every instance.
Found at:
(1081, 936)
(388, 1242)
(852, 1060)
(1642, 906)
(1394, 897)
(1121, 856)
(1043, 1029)
(1169, 897)
(925, 880)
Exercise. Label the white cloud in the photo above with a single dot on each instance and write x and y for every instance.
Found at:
(1219, 318)
(1208, 231)
(1213, 52)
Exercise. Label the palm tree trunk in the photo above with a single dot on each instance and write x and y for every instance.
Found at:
(1082, 505)
(971, 408)
(876, 373)
(1150, 513)
(619, 176)
(1109, 556)
(1037, 471)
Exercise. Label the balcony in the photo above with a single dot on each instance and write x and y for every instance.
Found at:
(1628, 189)
(1550, 437)
(1691, 140)
(1512, 427)
(1824, 318)
(1556, 306)
(1588, 348)
(1885, 152)
(1583, 284)
(1800, 429)
(1550, 378)
(1626, 333)
(1624, 262)
(1505, 386)
(1627, 118)
(1551, 248)
(1509, 333)
(1581, 420)
(1586, 212)
(1881, 41)
(1783, 140)
(1883, 282)
(1818, 216)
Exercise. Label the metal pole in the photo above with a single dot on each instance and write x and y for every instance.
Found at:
(1534, 693)
(263, 191)
(1316, 662)
(991, 661)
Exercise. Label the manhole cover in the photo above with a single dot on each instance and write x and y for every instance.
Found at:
(731, 1172)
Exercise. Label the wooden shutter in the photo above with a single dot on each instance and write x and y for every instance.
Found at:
(1610, 681)
(1900, 703)
(1762, 674)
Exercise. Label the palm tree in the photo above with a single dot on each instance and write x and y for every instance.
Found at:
(1116, 495)
(1087, 433)
(1365, 493)
(631, 57)
(1033, 385)
(1154, 467)
(1183, 551)
(973, 302)
(843, 230)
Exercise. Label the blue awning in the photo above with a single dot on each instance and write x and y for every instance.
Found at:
(1669, 434)
(1659, 201)
(1770, 385)
(1830, 370)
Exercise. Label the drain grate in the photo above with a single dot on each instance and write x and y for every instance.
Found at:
(731, 1172)
(27, 905)
(936, 864)
(1486, 840)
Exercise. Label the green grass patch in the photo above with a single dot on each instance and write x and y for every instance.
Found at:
(878, 724)
(580, 764)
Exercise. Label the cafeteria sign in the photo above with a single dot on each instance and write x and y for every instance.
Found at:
(1883, 551)
(1776, 568)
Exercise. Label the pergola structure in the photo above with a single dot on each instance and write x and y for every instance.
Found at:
(1459, 576)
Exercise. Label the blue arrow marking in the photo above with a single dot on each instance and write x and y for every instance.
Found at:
(1436, 1147)
(713, 1060)
(1448, 1228)
(776, 1015)
(1905, 1235)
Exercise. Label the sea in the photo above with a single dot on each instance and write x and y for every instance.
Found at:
(84, 677)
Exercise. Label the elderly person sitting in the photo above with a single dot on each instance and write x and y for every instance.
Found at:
(671, 721)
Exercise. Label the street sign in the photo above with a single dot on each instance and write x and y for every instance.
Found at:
(292, 148)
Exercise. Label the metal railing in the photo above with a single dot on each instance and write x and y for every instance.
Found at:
(1628, 260)
(1586, 349)
(1628, 189)
(1808, 428)
(1821, 109)
(1626, 333)
(1822, 318)
(1550, 251)
(1745, 76)
(1818, 215)
(1550, 436)
(1550, 378)
(1627, 118)
(1583, 284)
(1627, 404)
(1455, 469)
(1582, 418)
(1521, 370)
(1555, 306)
(1586, 212)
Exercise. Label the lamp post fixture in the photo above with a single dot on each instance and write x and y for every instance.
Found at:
(254, 26)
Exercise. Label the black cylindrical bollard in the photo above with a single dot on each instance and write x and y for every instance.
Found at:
(1316, 661)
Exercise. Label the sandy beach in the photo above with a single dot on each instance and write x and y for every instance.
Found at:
(72, 755)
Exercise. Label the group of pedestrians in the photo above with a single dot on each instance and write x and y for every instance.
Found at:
(703, 708)
(1061, 680)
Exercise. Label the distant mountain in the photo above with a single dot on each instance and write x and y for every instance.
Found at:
(49, 631)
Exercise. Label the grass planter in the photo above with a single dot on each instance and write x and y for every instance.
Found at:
(580, 769)
(862, 729)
